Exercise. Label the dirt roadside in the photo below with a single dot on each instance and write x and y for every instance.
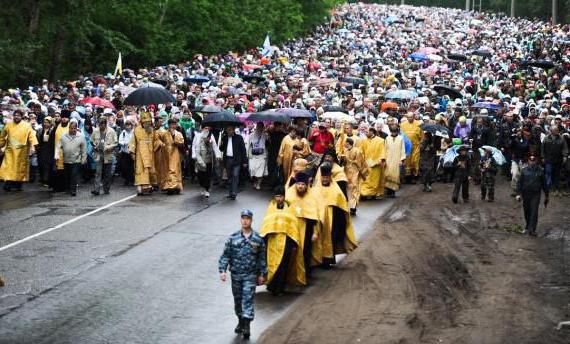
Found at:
(435, 272)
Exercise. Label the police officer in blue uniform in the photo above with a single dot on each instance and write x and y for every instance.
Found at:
(245, 254)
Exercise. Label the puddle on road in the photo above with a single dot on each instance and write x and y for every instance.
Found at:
(52, 211)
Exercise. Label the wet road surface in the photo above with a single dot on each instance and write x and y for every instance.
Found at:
(141, 271)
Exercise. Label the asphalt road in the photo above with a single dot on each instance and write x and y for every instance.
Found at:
(143, 270)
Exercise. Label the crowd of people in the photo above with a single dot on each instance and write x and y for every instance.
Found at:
(390, 92)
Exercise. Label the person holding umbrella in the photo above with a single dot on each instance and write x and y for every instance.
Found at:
(531, 183)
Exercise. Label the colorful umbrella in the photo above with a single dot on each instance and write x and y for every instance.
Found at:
(96, 101)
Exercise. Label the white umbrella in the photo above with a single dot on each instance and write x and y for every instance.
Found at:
(338, 117)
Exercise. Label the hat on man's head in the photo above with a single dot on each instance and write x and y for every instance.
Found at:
(247, 213)
(279, 190)
(326, 170)
(301, 177)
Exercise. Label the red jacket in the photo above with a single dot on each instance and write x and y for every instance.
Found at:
(321, 141)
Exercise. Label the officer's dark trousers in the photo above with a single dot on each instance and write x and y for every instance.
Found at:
(243, 289)
(463, 184)
(530, 206)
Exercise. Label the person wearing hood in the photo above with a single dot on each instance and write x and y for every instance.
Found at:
(17, 140)
(337, 233)
(281, 233)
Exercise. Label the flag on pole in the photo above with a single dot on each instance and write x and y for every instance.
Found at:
(119, 67)
(266, 47)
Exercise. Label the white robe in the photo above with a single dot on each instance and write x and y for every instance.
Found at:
(257, 163)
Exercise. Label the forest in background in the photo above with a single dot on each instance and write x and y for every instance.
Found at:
(60, 39)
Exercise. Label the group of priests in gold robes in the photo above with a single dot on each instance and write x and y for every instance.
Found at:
(305, 227)
(156, 152)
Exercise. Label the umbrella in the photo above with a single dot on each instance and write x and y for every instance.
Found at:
(96, 101)
(450, 154)
(268, 116)
(251, 67)
(295, 113)
(221, 119)
(541, 64)
(353, 80)
(323, 82)
(436, 129)
(428, 50)
(402, 95)
(457, 57)
(126, 90)
(450, 91)
(338, 117)
(161, 82)
(419, 57)
(434, 57)
(209, 109)
(486, 105)
(497, 154)
(254, 79)
(149, 95)
(389, 105)
(231, 81)
(333, 108)
(482, 52)
(196, 79)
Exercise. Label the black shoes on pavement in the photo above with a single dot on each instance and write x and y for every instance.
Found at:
(243, 328)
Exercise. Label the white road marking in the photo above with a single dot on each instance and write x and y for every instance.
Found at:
(65, 223)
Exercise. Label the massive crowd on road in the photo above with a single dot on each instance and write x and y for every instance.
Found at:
(377, 97)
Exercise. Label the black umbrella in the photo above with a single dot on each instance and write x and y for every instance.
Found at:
(196, 79)
(482, 52)
(436, 129)
(221, 119)
(254, 79)
(457, 57)
(209, 109)
(160, 82)
(269, 116)
(295, 113)
(451, 92)
(541, 64)
(353, 80)
(334, 108)
(149, 95)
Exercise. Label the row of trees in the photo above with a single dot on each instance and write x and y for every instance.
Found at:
(59, 39)
(524, 8)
